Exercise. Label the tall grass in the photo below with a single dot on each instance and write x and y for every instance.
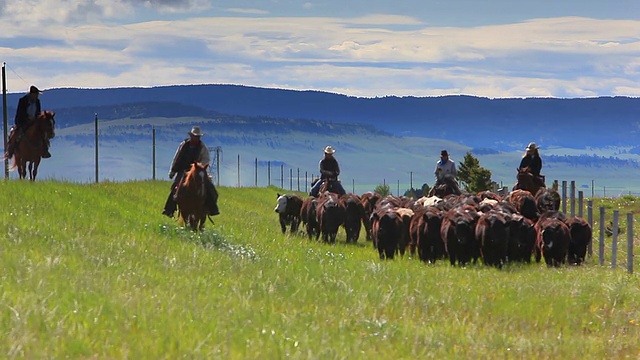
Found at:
(94, 270)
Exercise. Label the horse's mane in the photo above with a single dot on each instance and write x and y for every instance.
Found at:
(191, 173)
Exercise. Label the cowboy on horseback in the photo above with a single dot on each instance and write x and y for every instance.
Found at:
(329, 171)
(531, 160)
(446, 173)
(29, 108)
(189, 151)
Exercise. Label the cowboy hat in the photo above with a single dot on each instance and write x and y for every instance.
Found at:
(34, 90)
(329, 150)
(444, 153)
(195, 131)
(532, 146)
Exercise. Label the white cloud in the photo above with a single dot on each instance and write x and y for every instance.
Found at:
(372, 55)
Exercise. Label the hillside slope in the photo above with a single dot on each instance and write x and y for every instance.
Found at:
(504, 124)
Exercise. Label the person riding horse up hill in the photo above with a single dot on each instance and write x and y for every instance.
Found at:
(445, 170)
(189, 151)
(531, 159)
(329, 171)
(29, 108)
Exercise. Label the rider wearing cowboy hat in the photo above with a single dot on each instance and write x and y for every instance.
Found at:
(445, 172)
(531, 159)
(189, 151)
(329, 171)
(29, 108)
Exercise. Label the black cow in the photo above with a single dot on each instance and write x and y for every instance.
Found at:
(425, 234)
(458, 235)
(522, 239)
(288, 209)
(492, 236)
(386, 230)
(581, 235)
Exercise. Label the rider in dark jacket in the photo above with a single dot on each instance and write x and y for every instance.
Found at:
(189, 151)
(531, 159)
(29, 108)
(329, 171)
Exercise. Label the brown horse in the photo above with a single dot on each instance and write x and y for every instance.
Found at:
(447, 186)
(191, 196)
(30, 149)
(526, 180)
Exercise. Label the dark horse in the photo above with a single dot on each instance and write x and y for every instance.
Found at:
(447, 186)
(31, 148)
(526, 180)
(191, 196)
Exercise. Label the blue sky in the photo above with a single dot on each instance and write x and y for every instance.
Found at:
(361, 48)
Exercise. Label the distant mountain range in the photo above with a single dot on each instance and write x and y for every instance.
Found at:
(500, 124)
(271, 136)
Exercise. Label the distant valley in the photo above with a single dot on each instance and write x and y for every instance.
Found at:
(391, 140)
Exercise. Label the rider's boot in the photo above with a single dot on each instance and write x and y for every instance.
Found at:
(46, 154)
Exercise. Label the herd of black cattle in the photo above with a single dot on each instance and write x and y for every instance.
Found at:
(463, 228)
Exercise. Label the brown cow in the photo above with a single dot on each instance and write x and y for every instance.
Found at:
(309, 217)
(330, 213)
(552, 240)
(368, 200)
(547, 200)
(524, 203)
(354, 213)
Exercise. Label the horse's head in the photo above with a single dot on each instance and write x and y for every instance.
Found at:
(46, 123)
(195, 176)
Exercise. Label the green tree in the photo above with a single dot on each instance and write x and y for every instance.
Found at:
(382, 190)
(473, 177)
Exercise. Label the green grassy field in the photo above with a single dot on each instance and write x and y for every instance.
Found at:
(94, 271)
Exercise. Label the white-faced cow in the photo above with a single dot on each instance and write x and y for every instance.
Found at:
(288, 209)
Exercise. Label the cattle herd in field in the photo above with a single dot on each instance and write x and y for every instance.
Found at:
(462, 228)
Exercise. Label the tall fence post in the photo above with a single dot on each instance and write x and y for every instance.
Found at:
(290, 178)
(269, 173)
(601, 237)
(590, 220)
(96, 142)
(238, 170)
(572, 193)
(5, 119)
(614, 237)
(580, 203)
(564, 197)
(282, 176)
(256, 172)
(298, 179)
(630, 242)
(153, 156)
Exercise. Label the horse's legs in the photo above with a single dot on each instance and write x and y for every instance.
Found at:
(33, 170)
(22, 168)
